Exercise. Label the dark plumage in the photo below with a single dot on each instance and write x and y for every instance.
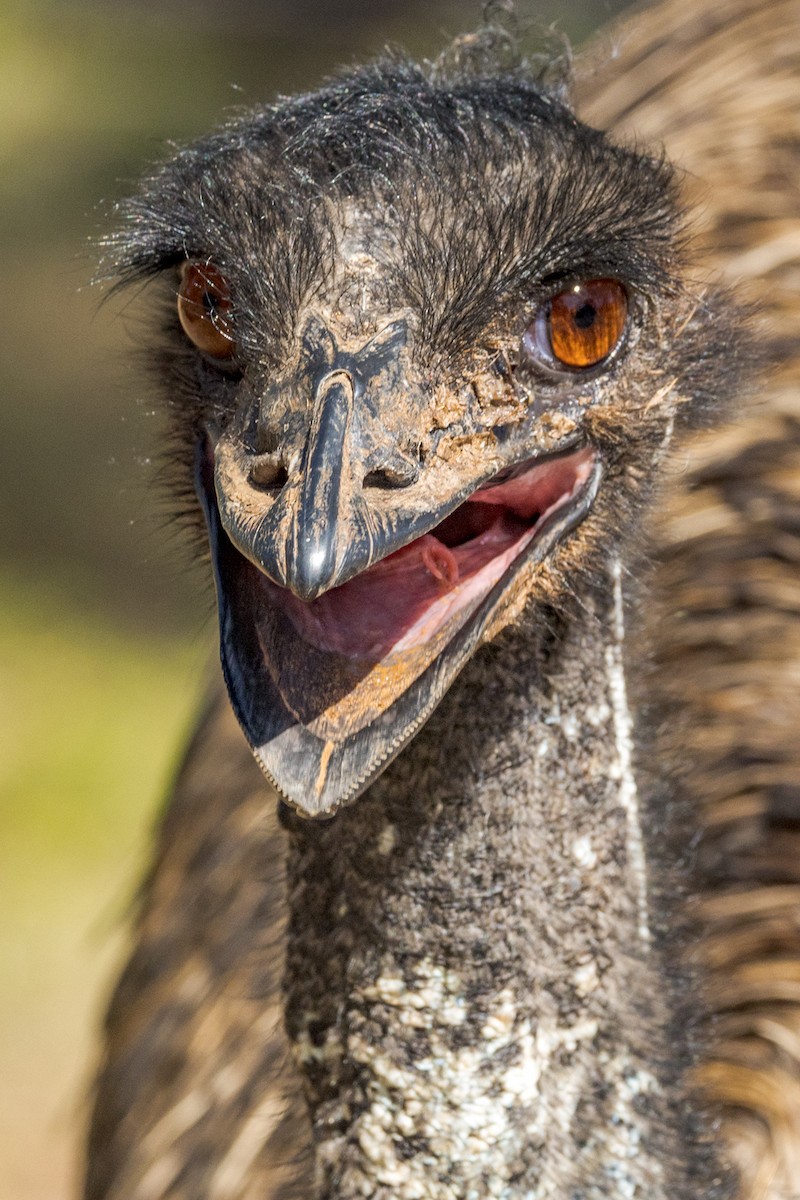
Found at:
(481, 963)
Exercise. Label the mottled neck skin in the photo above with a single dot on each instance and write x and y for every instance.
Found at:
(474, 982)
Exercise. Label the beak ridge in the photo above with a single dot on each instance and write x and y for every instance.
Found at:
(326, 496)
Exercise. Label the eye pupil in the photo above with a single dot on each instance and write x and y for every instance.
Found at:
(585, 316)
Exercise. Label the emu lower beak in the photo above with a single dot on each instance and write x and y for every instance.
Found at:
(328, 691)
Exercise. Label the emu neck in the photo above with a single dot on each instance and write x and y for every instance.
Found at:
(473, 984)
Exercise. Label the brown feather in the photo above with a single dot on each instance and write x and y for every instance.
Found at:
(719, 87)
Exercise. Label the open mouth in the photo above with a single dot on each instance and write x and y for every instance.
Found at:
(329, 690)
(403, 601)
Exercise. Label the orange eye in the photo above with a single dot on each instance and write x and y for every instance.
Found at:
(204, 308)
(580, 326)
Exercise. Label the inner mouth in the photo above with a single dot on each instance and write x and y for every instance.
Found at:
(403, 601)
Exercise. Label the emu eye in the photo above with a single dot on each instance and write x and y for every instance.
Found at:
(579, 327)
(204, 307)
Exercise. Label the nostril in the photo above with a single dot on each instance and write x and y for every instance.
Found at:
(267, 471)
(383, 479)
(396, 471)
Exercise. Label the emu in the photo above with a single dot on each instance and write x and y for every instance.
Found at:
(509, 622)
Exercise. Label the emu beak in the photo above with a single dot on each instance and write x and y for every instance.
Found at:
(319, 528)
(353, 582)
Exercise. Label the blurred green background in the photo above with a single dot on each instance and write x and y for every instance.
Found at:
(106, 629)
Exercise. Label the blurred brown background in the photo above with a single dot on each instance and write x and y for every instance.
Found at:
(105, 628)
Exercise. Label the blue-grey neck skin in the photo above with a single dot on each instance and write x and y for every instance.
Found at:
(476, 984)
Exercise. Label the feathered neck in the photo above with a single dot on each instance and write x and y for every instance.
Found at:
(477, 990)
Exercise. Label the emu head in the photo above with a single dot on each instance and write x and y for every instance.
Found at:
(425, 339)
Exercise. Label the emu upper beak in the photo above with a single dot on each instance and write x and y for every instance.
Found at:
(353, 581)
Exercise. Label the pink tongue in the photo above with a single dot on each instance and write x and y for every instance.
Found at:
(368, 615)
(440, 562)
